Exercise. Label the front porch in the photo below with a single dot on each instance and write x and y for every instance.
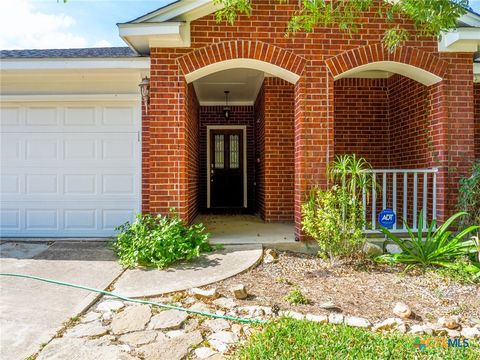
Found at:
(246, 229)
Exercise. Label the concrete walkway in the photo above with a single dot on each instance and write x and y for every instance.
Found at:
(31, 312)
(246, 229)
(207, 269)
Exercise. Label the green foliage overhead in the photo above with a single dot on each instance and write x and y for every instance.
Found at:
(286, 339)
(440, 247)
(159, 241)
(430, 17)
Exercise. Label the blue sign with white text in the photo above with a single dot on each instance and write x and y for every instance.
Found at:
(387, 218)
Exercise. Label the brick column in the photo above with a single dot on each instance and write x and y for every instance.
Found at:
(314, 138)
(164, 167)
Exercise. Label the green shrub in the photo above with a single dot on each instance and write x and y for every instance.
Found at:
(295, 297)
(335, 227)
(469, 197)
(159, 241)
(440, 247)
(334, 217)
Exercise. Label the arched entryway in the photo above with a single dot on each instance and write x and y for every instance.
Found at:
(389, 108)
(261, 82)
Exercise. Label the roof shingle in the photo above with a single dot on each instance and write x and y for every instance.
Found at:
(104, 52)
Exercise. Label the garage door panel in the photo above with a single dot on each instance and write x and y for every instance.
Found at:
(69, 170)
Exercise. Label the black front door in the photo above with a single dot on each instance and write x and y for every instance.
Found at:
(226, 168)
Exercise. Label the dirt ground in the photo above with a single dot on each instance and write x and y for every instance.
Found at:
(361, 288)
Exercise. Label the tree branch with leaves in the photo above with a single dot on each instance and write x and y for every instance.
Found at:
(429, 17)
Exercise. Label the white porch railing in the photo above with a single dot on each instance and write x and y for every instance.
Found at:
(400, 192)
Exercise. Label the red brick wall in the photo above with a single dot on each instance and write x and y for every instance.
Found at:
(316, 57)
(409, 127)
(240, 115)
(260, 152)
(362, 120)
(193, 151)
(477, 119)
(279, 153)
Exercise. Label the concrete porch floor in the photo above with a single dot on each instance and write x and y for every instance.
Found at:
(245, 229)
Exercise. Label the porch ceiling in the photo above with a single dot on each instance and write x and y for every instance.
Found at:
(243, 84)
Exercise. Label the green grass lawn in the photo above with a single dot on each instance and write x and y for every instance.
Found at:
(293, 339)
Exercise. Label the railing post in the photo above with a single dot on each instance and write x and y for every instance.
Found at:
(425, 195)
(374, 202)
(394, 195)
(415, 199)
(405, 199)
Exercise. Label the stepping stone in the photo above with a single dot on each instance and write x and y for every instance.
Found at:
(133, 318)
(89, 329)
(217, 324)
(69, 348)
(168, 320)
(110, 305)
(176, 348)
(204, 352)
(91, 316)
(139, 337)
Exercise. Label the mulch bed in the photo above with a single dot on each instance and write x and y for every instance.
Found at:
(360, 288)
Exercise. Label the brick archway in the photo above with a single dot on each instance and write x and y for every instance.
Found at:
(254, 54)
(411, 62)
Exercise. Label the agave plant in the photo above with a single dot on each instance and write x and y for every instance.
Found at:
(439, 247)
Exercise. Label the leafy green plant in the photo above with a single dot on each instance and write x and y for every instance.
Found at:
(440, 247)
(469, 197)
(334, 217)
(296, 297)
(159, 241)
(334, 220)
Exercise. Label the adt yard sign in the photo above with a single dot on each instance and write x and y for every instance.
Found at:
(387, 218)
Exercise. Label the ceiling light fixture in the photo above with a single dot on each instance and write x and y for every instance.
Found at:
(226, 109)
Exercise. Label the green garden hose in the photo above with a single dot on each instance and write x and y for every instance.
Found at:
(166, 306)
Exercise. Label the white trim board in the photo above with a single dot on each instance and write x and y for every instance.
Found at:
(228, 127)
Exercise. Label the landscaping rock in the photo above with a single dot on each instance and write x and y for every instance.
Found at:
(270, 256)
(239, 291)
(388, 324)
(74, 348)
(199, 306)
(90, 316)
(237, 329)
(200, 294)
(393, 249)
(329, 305)
(172, 349)
(417, 330)
(252, 311)
(221, 347)
(357, 322)
(335, 318)
(133, 318)
(168, 320)
(402, 310)
(226, 337)
(322, 319)
(191, 325)
(217, 324)
(449, 322)
(204, 352)
(453, 333)
(110, 305)
(107, 316)
(372, 249)
(402, 328)
(471, 333)
(88, 329)
(225, 303)
(292, 314)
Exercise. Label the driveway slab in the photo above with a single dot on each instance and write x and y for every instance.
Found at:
(31, 311)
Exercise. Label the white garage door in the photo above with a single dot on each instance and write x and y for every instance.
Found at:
(69, 169)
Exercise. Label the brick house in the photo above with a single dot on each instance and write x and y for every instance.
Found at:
(239, 118)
